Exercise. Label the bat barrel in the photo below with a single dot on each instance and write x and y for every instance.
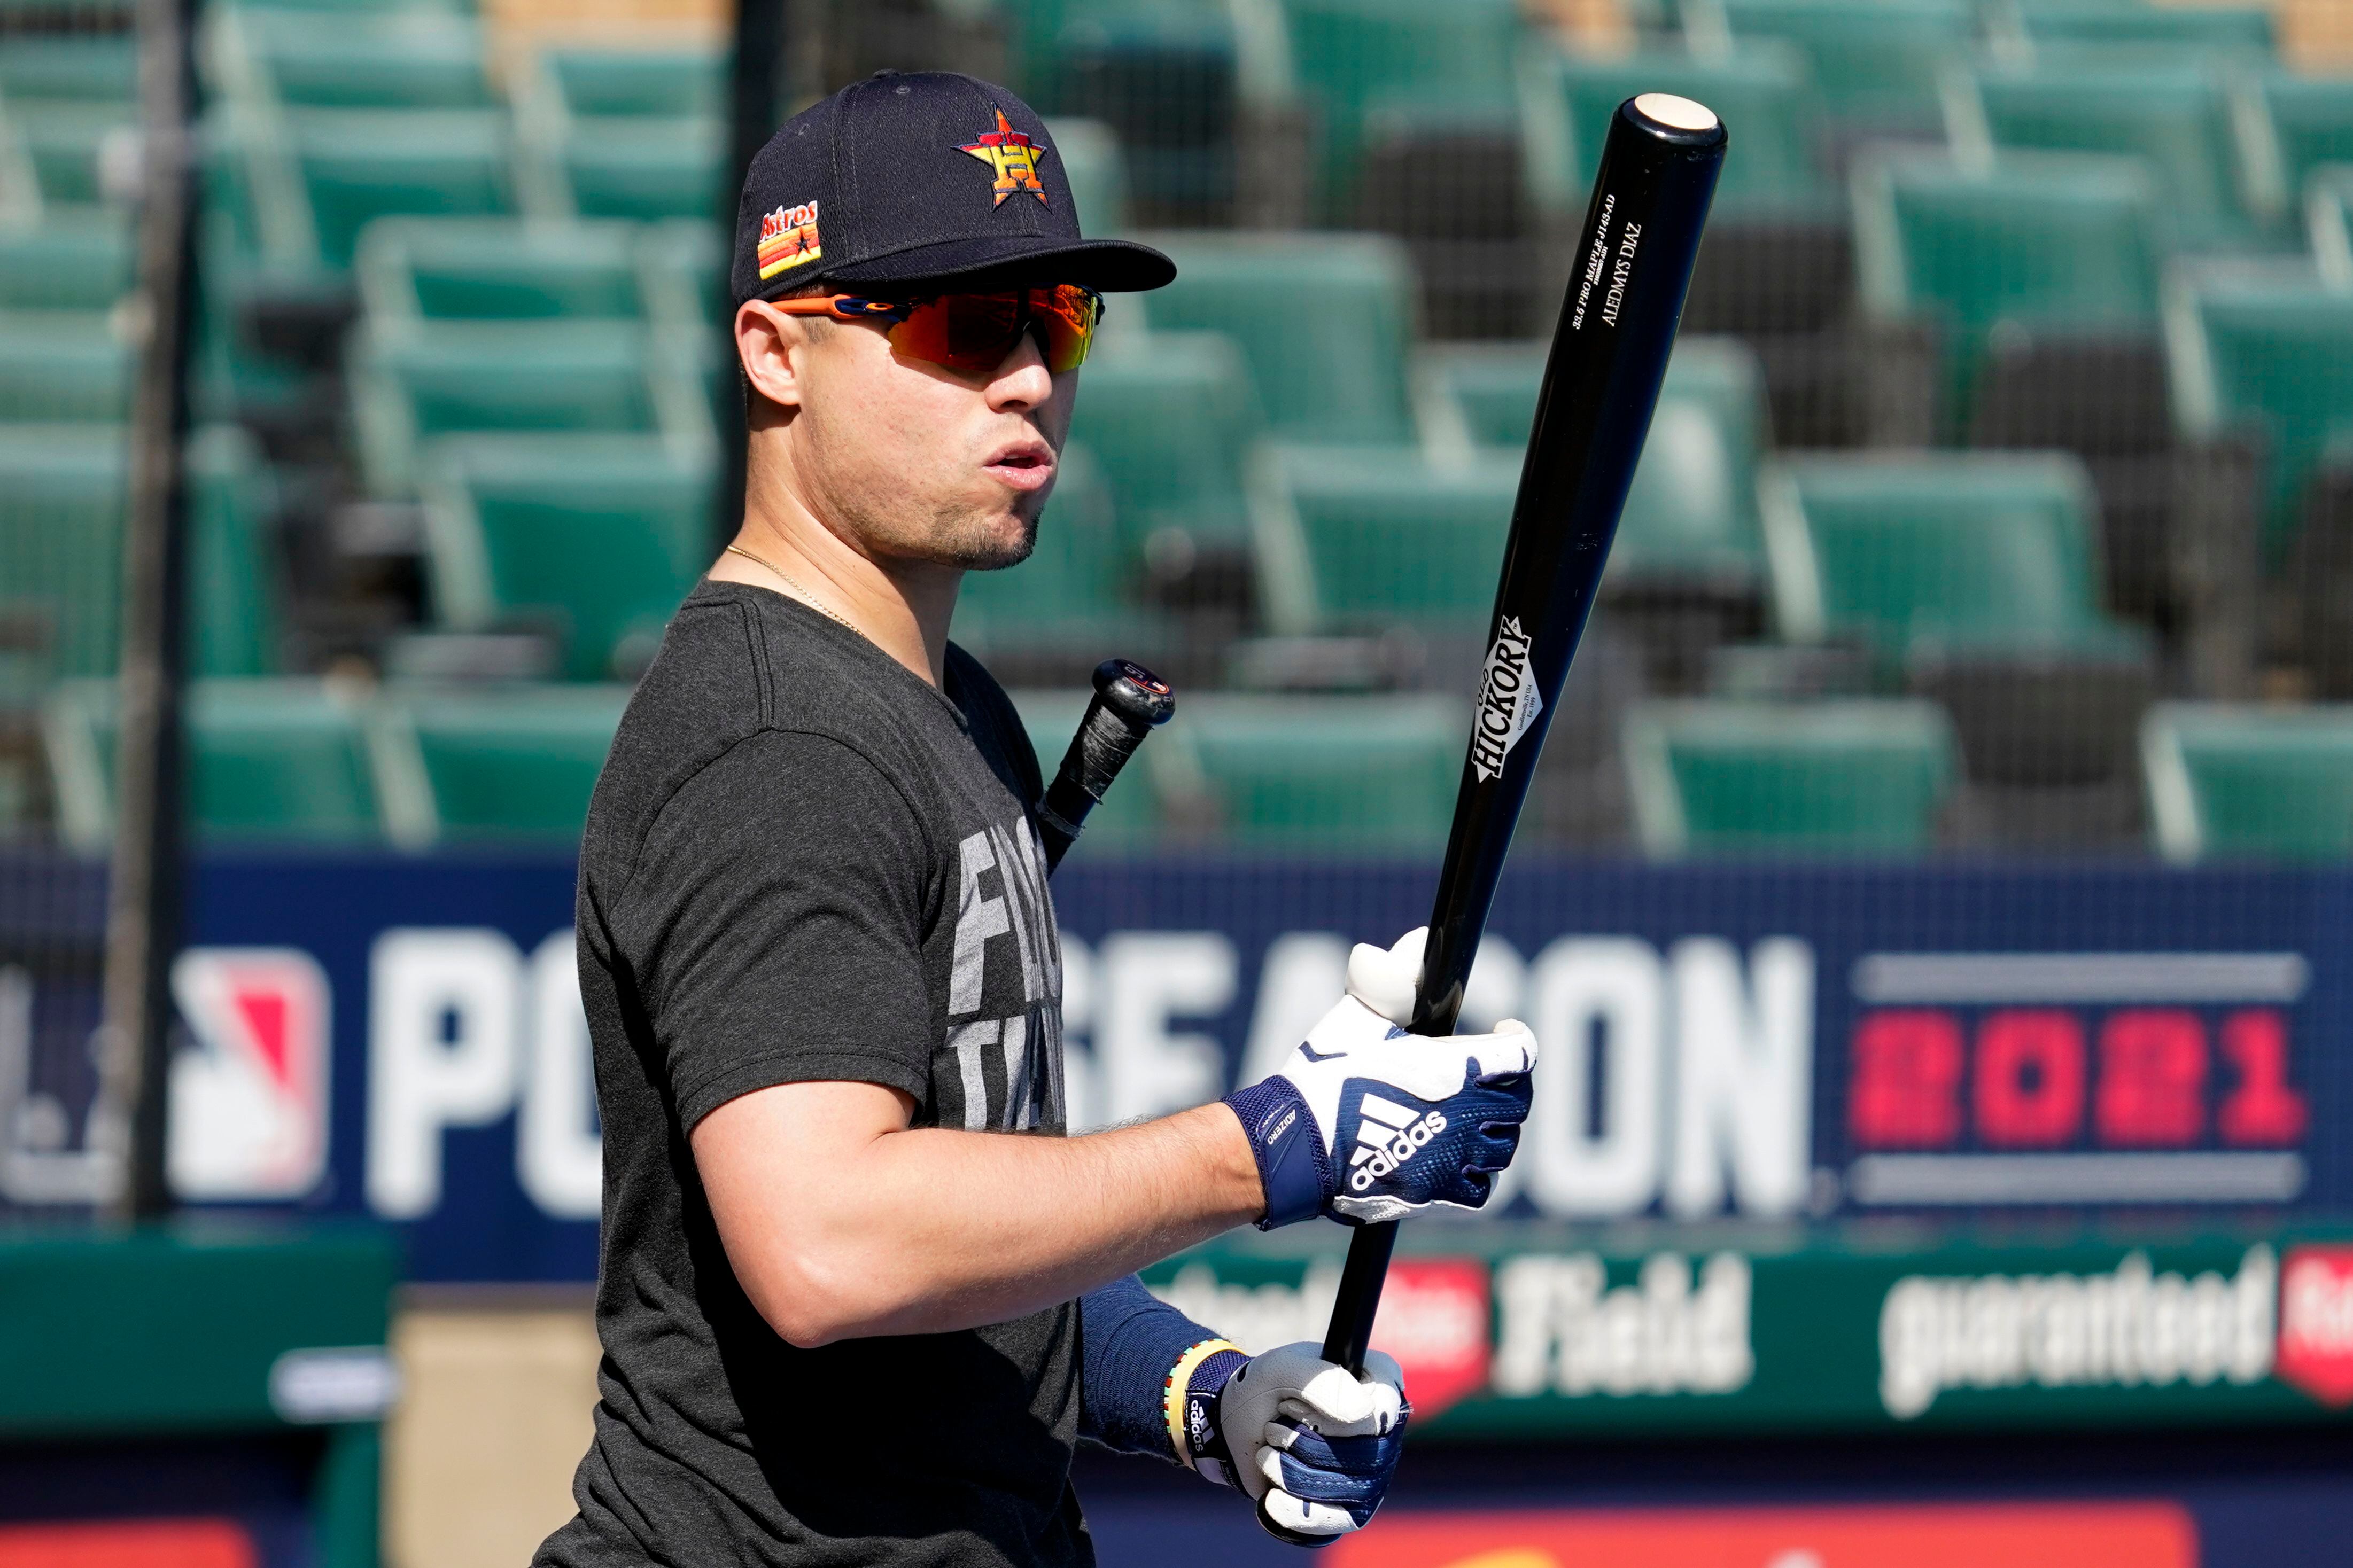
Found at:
(1609, 351)
(1129, 703)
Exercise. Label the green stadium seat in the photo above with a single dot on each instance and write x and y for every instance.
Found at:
(2227, 782)
(2059, 244)
(498, 270)
(594, 538)
(62, 490)
(1097, 172)
(1939, 553)
(1877, 63)
(503, 763)
(341, 169)
(2267, 346)
(269, 760)
(1765, 90)
(68, 142)
(96, 65)
(2312, 122)
(67, 261)
(1355, 539)
(1374, 774)
(2329, 222)
(1353, 60)
(643, 169)
(57, 365)
(1056, 613)
(652, 82)
(443, 378)
(2206, 28)
(682, 274)
(2182, 116)
(389, 59)
(1168, 417)
(1691, 511)
(1846, 778)
(1324, 321)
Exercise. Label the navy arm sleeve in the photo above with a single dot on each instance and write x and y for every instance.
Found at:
(1130, 1341)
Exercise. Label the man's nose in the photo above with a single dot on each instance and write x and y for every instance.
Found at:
(1022, 380)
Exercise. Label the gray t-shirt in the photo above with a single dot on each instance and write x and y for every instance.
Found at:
(802, 862)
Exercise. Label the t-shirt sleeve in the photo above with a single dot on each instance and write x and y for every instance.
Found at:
(777, 907)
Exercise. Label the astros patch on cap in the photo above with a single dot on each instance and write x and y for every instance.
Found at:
(920, 177)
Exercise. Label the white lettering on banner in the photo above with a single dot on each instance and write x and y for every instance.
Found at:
(441, 1053)
(1147, 979)
(1304, 973)
(559, 1157)
(1595, 993)
(1745, 1072)
(1256, 1317)
(1561, 1330)
(2126, 1329)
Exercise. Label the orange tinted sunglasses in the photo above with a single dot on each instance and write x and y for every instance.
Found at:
(974, 332)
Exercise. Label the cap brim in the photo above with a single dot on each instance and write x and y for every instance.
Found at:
(1111, 265)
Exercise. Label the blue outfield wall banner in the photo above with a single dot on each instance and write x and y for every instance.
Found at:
(401, 1036)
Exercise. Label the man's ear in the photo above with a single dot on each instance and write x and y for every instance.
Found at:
(769, 344)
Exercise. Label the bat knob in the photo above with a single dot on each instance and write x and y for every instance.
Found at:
(1141, 699)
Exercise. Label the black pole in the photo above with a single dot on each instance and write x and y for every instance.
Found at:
(761, 30)
(142, 930)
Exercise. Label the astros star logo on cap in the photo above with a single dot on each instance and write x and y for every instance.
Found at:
(1013, 157)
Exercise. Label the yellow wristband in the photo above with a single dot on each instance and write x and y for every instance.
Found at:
(1180, 1378)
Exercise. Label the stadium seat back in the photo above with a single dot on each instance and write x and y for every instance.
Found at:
(595, 539)
(1330, 774)
(102, 67)
(2190, 27)
(63, 364)
(1857, 777)
(644, 169)
(68, 143)
(1097, 170)
(495, 270)
(511, 763)
(1325, 322)
(392, 59)
(653, 83)
(2270, 348)
(1977, 551)
(2312, 119)
(2180, 117)
(2236, 783)
(359, 165)
(1077, 573)
(1357, 538)
(1876, 62)
(1168, 417)
(1352, 57)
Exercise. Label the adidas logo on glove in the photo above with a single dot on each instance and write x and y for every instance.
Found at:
(1387, 1137)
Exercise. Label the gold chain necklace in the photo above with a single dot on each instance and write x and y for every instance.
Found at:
(806, 597)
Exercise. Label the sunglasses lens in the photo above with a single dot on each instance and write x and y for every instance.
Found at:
(976, 331)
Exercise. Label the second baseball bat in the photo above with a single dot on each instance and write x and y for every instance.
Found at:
(1608, 356)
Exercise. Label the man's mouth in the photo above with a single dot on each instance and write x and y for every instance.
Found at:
(1022, 465)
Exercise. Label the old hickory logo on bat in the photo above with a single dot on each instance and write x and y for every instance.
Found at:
(1508, 700)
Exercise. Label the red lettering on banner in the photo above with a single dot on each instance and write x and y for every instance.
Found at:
(1907, 1076)
(2028, 1086)
(1434, 1317)
(2262, 1107)
(2315, 1332)
(2152, 1077)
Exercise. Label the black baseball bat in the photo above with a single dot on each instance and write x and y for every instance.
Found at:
(1129, 703)
(1609, 355)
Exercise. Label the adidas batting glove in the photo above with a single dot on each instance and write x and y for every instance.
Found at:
(1312, 1446)
(1365, 1122)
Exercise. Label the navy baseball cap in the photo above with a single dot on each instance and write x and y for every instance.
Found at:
(920, 177)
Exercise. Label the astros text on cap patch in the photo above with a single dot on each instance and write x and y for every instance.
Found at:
(787, 239)
(1013, 157)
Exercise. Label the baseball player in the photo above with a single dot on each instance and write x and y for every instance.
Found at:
(860, 1295)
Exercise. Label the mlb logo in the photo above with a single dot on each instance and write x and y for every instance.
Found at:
(2315, 1336)
(248, 1109)
(1434, 1317)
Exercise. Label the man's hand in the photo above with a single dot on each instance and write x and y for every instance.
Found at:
(1312, 1446)
(1365, 1122)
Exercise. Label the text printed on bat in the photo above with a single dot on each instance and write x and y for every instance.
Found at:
(1508, 700)
(1621, 272)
